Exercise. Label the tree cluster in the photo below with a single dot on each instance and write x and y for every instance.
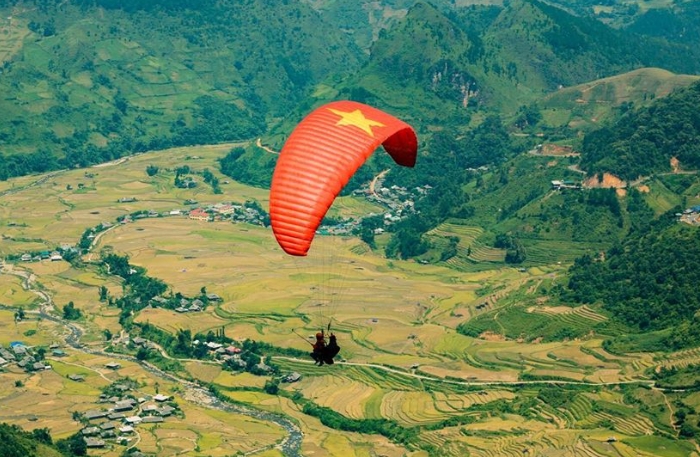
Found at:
(643, 142)
(648, 282)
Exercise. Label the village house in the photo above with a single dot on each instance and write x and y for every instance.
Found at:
(90, 431)
(123, 405)
(95, 414)
(113, 366)
(161, 398)
(198, 214)
(292, 377)
(159, 299)
(121, 387)
(149, 408)
(94, 443)
(108, 426)
(165, 411)
(559, 185)
(5, 354)
(262, 366)
(38, 366)
(76, 377)
(233, 350)
(138, 341)
(224, 209)
(108, 434)
(26, 362)
(19, 349)
(213, 297)
(133, 420)
(152, 419)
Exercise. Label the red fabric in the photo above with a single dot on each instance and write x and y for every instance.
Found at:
(319, 158)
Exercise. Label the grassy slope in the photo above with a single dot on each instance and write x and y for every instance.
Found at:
(585, 106)
(57, 85)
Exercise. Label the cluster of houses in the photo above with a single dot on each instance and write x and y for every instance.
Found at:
(25, 357)
(53, 256)
(186, 305)
(228, 211)
(690, 215)
(119, 421)
(398, 200)
(216, 212)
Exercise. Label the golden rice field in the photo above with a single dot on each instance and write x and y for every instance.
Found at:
(398, 315)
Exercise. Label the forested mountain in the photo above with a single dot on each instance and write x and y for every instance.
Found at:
(644, 141)
(440, 66)
(84, 84)
(92, 80)
(648, 282)
(679, 23)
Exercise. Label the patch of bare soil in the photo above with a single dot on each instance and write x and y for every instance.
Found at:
(675, 164)
(608, 181)
(491, 336)
(558, 151)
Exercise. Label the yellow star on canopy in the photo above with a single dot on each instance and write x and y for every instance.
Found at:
(358, 119)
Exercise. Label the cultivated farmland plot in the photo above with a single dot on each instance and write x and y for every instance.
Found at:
(397, 324)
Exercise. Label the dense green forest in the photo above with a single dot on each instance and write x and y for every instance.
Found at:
(15, 442)
(648, 281)
(679, 23)
(89, 84)
(644, 141)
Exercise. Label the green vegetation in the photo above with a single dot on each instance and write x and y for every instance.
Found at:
(644, 142)
(71, 313)
(15, 442)
(95, 80)
(647, 281)
(520, 322)
(135, 83)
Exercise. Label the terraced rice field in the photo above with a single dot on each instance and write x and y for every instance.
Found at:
(548, 252)
(636, 425)
(469, 249)
(681, 359)
(571, 315)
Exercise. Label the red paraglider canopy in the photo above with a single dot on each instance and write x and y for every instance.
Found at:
(319, 158)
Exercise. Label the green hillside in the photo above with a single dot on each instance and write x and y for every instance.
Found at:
(90, 84)
(441, 66)
(647, 282)
(586, 106)
(15, 442)
(645, 141)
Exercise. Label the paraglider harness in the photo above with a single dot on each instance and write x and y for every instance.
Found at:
(324, 353)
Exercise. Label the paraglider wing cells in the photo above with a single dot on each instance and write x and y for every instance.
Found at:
(319, 158)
